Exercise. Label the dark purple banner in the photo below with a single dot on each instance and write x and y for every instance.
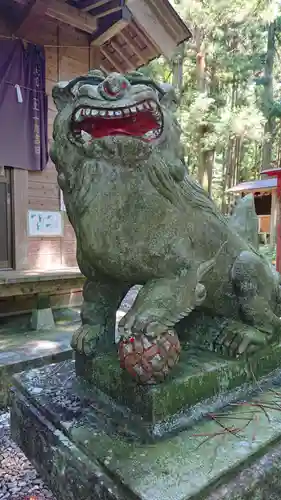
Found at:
(23, 106)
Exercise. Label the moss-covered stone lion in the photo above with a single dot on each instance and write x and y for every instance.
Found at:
(139, 218)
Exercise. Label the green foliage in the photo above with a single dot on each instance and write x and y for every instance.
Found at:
(276, 109)
(227, 110)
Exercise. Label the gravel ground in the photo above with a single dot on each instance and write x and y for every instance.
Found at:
(18, 479)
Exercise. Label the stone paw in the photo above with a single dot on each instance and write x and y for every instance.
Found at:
(240, 341)
(84, 340)
(131, 325)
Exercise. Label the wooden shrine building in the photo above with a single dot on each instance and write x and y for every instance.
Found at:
(68, 38)
(265, 197)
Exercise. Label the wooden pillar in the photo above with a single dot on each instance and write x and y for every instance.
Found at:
(20, 209)
(273, 217)
(278, 231)
(276, 172)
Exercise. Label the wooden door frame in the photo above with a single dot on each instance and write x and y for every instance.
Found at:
(19, 219)
(6, 179)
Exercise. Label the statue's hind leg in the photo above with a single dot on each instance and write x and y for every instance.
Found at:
(102, 298)
(161, 303)
(254, 288)
(236, 339)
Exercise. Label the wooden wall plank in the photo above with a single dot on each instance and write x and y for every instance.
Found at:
(69, 260)
(48, 176)
(46, 34)
(43, 190)
(68, 247)
(69, 234)
(44, 246)
(39, 203)
(43, 203)
(45, 261)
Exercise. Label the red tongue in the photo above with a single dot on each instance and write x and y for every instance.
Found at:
(136, 126)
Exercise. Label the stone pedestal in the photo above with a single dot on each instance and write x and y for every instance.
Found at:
(42, 317)
(210, 432)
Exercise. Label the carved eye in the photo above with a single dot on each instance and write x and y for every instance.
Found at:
(75, 88)
(74, 85)
(114, 87)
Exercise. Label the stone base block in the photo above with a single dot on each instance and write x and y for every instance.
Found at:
(84, 452)
(42, 319)
(202, 381)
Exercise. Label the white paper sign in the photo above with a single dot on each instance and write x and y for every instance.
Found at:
(43, 223)
(62, 205)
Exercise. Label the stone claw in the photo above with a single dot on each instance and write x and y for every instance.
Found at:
(131, 325)
(236, 344)
(84, 340)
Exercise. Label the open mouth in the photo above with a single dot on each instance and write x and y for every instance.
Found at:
(143, 120)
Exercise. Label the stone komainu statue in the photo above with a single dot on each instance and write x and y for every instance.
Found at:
(139, 218)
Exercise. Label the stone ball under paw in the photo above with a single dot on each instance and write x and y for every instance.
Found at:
(149, 360)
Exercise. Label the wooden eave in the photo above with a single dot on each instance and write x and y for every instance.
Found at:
(266, 185)
(141, 29)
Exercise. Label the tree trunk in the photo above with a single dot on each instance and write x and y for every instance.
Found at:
(178, 70)
(207, 159)
(237, 160)
(268, 97)
(228, 168)
(200, 75)
(201, 87)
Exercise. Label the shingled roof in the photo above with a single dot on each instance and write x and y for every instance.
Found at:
(255, 186)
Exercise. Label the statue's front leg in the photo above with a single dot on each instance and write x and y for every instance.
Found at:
(161, 303)
(102, 298)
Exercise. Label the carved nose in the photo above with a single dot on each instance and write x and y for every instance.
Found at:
(114, 87)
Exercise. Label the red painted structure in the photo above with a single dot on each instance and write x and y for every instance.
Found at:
(276, 172)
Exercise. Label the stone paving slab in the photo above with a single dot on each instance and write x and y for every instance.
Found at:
(19, 344)
(22, 349)
(56, 341)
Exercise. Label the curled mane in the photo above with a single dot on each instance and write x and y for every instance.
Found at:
(181, 194)
(184, 193)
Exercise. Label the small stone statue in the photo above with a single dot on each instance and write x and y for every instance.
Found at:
(139, 218)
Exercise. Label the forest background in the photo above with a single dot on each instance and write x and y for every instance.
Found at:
(228, 79)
